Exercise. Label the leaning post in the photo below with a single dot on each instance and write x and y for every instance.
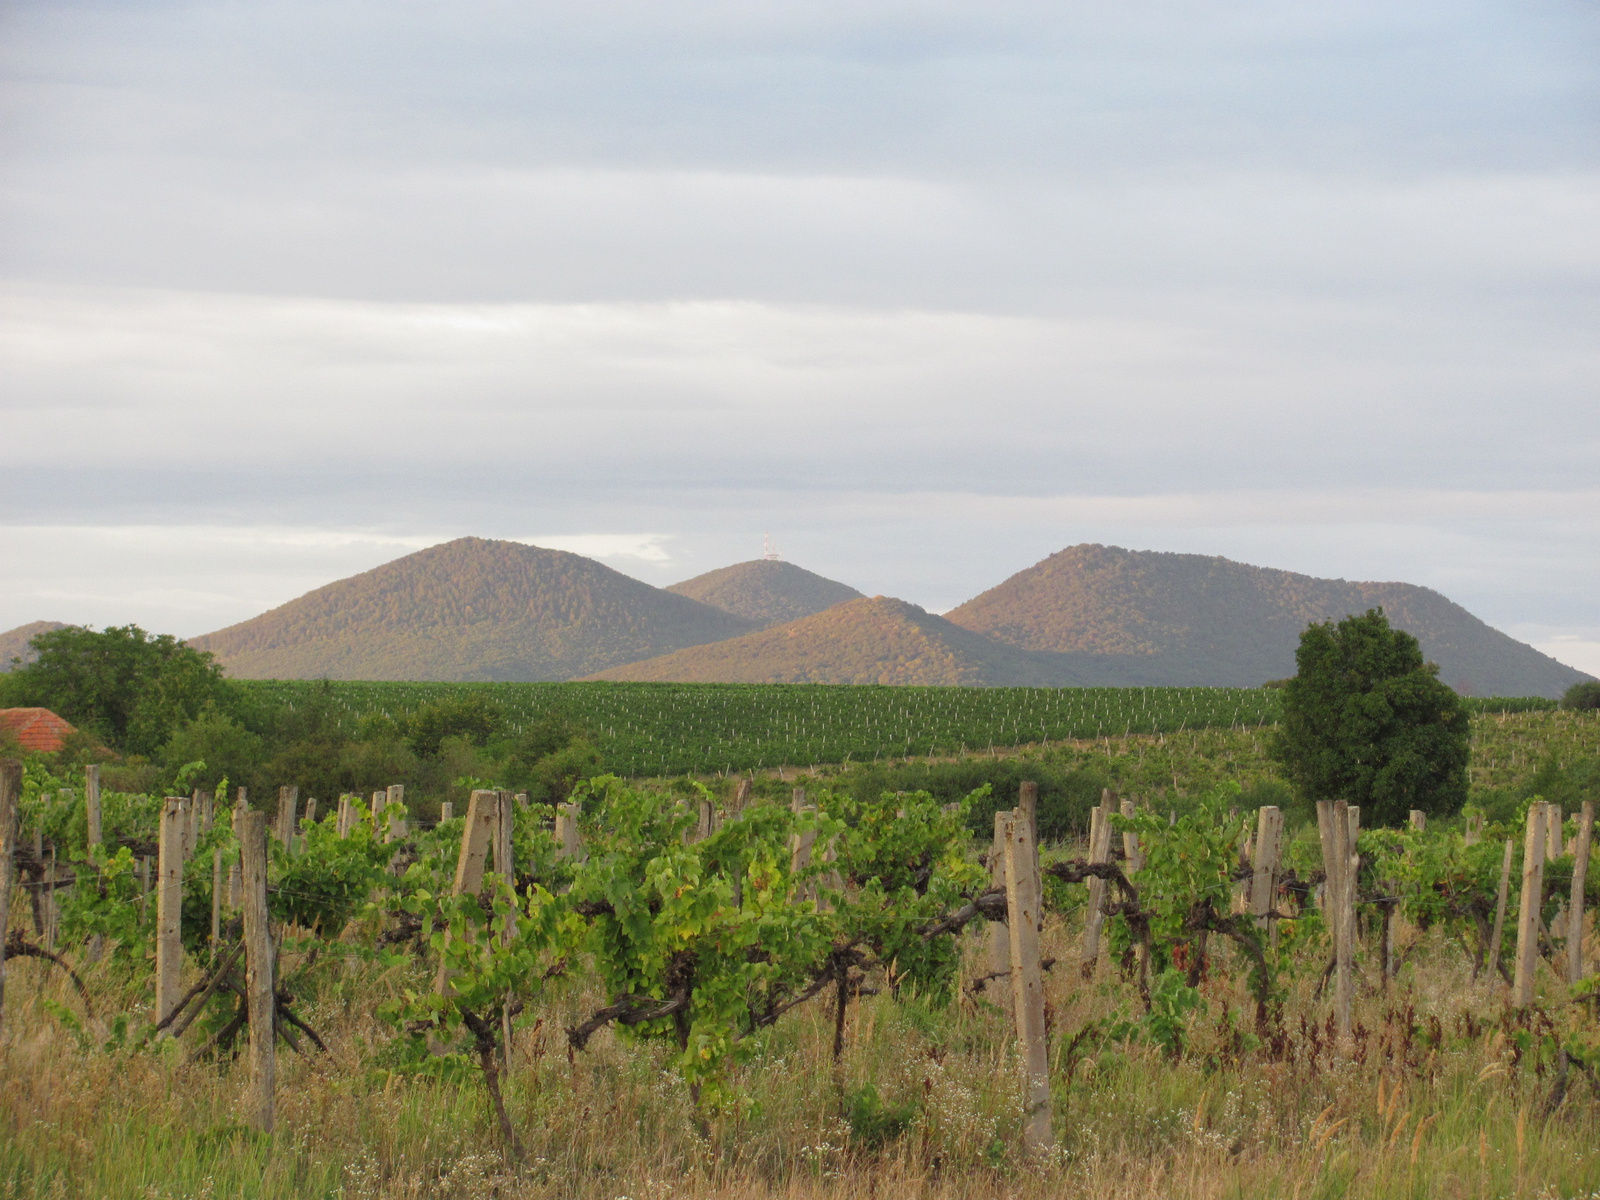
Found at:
(1532, 901)
(258, 970)
(1027, 981)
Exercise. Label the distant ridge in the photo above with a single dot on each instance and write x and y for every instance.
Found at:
(868, 640)
(1147, 617)
(14, 642)
(469, 609)
(766, 591)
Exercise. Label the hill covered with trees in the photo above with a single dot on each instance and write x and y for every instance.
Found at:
(870, 640)
(766, 591)
(470, 609)
(15, 643)
(1149, 617)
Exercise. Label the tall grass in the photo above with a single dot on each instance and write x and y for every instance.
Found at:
(1437, 1096)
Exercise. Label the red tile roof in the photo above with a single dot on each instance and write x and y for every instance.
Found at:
(38, 729)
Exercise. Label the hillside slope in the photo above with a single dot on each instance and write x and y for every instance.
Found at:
(766, 591)
(1147, 617)
(14, 642)
(469, 609)
(870, 640)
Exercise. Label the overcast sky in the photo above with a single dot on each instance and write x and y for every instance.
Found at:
(925, 290)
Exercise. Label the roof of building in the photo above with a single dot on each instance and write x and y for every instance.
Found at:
(38, 729)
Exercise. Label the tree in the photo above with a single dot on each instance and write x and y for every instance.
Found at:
(1366, 720)
(122, 684)
(1585, 695)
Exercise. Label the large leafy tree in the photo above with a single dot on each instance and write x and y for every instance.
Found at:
(1366, 720)
(131, 688)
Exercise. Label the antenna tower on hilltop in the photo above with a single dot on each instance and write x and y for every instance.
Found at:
(771, 552)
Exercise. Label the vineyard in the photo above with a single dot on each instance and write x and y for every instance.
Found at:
(808, 992)
(657, 729)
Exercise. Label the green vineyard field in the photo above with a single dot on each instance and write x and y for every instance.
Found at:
(646, 729)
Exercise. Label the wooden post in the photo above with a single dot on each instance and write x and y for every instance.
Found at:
(1528, 911)
(1580, 878)
(1099, 852)
(288, 799)
(522, 799)
(311, 813)
(1027, 982)
(379, 801)
(1419, 820)
(192, 824)
(447, 812)
(10, 794)
(1028, 806)
(207, 812)
(1333, 823)
(91, 805)
(169, 909)
(505, 867)
(1554, 820)
(1474, 829)
(216, 894)
(741, 796)
(1130, 840)
(1500, 908)
(260, 1004)
(999, 933)
(1266, 863)
(708, 819)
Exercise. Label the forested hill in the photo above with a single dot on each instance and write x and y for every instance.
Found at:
(766, 591)
(1194, 619)
(470, 609)
(869, 640)
(14, 642)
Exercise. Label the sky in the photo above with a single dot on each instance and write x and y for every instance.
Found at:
(925, 291)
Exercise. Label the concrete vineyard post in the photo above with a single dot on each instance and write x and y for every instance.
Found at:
(569, 840)
(169, 908)
(800, 848)
(1531, 902)
(258, 971)
(10, 794)
(483, 819)
(1500, 907)
(208, 811)
(999, 934)
(379, 799)
(741, 796)
(1418, 820)
(342, 826)
(1552, 832)
(708, 819)
(91, 807)
(447, 811)
(310, 817)
(1474, 828)
(1266, 863)
(1027, 981)
(522, 799)
(288, 798)
(395, 802)
(1580, 878)
(1028, 806)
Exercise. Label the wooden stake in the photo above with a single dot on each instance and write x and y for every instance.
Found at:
(311, 813)
(1099, 852)
(1580, 878)
(169, 909)
(801, 847)
(999, 934)
(741, 796)
(216, 894)
(10, 794)
(288, 798)
(505, 867)
(1552, 837)
(91, 804)
(569, 839)
(1500, 908)
(1028, 806)
(1531, 903)
(1333, 823)
(1266, 863)
(396, 803)
(208, 811)
(260, 1002)
(1130, 840)
(1474, 828)
(1027, 982)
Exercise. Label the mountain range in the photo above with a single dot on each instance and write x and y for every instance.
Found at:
(1089, 615)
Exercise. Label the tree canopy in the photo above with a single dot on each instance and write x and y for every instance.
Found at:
(1366, 720)
(123, 685)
